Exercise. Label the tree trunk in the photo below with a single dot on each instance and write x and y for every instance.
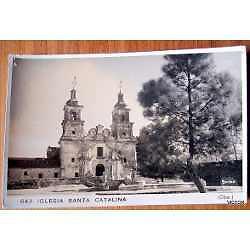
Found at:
(235, 152)
(234, 136)
(190, 169)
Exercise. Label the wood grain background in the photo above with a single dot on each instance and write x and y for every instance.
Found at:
(72, 47)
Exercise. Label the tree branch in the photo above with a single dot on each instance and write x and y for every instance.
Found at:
(204, 107)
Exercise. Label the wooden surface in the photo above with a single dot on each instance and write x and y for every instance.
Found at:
(72, 47)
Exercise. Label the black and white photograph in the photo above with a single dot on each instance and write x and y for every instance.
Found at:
(144, 128)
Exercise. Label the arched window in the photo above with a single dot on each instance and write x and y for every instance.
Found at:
(40, 175)
(74, 115)
(25, 173)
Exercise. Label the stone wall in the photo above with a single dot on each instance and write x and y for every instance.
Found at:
(70, 154)
(23, 174)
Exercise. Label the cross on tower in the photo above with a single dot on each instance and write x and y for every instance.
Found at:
(74, 83)
(120, 86)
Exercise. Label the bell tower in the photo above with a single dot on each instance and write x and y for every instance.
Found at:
(72, 123)
(72, 136)
(121, 126)
(122, 131)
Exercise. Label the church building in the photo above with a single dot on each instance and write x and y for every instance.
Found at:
(110, 153)
(106, 154)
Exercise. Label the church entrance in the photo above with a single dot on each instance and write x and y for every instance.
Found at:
(99, 170)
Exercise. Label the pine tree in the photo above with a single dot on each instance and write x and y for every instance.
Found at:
(193, 93)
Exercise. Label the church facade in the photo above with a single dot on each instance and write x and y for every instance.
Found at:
(101, 152)
(106, 154)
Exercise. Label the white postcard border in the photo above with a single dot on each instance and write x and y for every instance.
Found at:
(132, 200)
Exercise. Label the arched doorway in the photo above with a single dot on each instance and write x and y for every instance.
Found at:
(99, 170)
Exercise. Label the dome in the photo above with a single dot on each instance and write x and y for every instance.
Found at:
(120, 103)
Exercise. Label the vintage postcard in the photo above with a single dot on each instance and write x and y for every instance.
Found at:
(146, 128)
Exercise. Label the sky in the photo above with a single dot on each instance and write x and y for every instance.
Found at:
(41, 87)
